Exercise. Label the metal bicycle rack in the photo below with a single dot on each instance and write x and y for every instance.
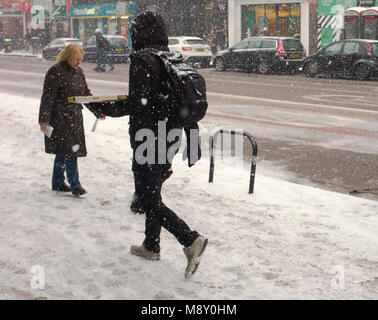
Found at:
(213, 140)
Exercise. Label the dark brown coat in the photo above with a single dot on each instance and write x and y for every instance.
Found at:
(68, 137)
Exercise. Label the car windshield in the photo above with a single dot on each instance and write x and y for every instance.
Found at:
(194, 41)
(292, 45)
(374, 49)
(117, 41)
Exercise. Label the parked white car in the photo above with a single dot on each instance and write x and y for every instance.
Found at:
(193, 49)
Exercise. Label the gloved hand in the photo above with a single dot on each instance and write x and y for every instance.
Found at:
(192, 151)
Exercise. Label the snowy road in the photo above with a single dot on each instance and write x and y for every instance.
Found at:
(320, 132)
(286, 241)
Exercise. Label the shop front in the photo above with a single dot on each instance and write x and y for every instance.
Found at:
(271, 20)
(110, 18)
(370, 23)
(11, 24)
(59, 19)
(215, 24)
(268, 18)
(201, 18)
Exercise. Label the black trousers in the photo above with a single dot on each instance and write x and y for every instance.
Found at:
(148, 182)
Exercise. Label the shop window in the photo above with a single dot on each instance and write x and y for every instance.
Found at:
(352, 30)
(283, 10)
(271, 14)
(294, 20)
(370, 27)
(256, 20)
(113, 26)
(272, 20)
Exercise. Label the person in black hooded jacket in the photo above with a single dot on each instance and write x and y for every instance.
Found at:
(145, 105)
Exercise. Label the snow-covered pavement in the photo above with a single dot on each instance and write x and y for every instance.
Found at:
(286, 241)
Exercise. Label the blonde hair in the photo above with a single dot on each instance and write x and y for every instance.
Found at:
(68, 52)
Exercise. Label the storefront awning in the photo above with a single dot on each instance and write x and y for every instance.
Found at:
(104, 10)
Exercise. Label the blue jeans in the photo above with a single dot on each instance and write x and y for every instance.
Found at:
(68, 165)
(102, 58)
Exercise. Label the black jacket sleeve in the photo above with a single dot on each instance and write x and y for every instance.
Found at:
(192, 151)
(111, 109)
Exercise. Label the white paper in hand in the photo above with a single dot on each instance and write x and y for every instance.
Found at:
(48, 131)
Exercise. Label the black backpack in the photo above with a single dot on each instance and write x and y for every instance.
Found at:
(187, 101)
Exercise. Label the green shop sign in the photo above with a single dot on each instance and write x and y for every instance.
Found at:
(104, 10)
(334, 7)
(59, 10)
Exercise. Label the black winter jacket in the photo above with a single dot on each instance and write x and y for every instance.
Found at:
(68, 138)
(101, 42)
(147, 93)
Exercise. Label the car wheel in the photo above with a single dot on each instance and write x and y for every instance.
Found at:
(220, 65)
(311, 69)
(362, 72)
(263, 67)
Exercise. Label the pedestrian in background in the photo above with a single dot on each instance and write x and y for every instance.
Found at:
(67, 140)
(27, 41)
(1, 40)
(102, 45)
(264, 32)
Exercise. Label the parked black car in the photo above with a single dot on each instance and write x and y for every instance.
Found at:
(262, 54)
(51, 51)
(117, 53)
(350, 58)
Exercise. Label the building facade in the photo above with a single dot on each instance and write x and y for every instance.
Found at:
(12, 23)
(222, 23)
(331, 18)
(111, 18)
(202, 18)
(273, 17)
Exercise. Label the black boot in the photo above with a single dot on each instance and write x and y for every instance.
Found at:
(62, 188)
(79, 191)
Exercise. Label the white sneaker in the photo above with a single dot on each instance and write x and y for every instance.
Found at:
(193, 254)
(141, 251)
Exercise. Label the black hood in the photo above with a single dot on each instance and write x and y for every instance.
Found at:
(149, 30)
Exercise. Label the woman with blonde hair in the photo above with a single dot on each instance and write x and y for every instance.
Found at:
(67, 139)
